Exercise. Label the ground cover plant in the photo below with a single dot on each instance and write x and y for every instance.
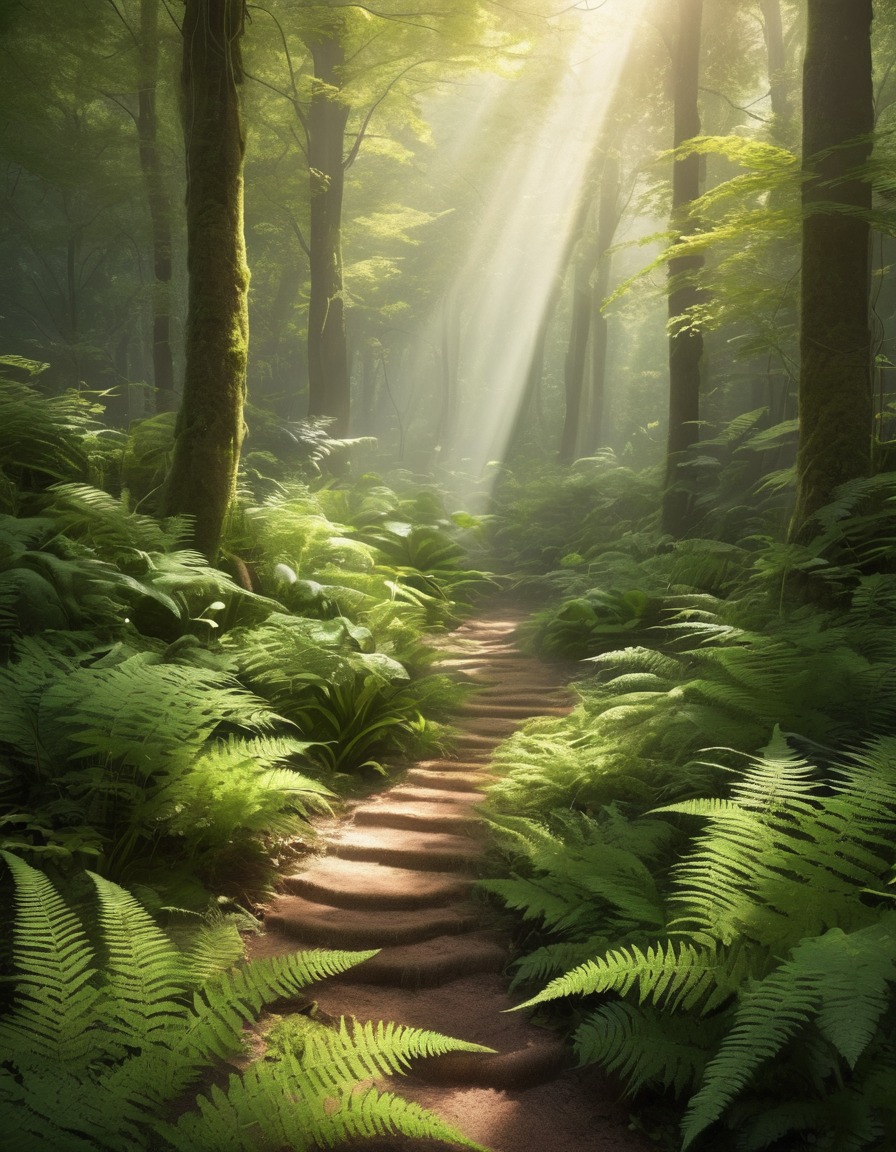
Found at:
(715, 930)
(111, 1042)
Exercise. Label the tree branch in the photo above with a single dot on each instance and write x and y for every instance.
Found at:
(359, 139)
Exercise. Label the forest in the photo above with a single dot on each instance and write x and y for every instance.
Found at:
(393, 390)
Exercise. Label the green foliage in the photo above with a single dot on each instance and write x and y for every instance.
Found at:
(325, 677)
(128, 757)
(584, 624)
(772, 976)
(103, 1041)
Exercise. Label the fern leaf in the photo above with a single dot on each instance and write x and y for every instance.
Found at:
(216, 947)
(56, 1001)
(223, 1004)
(269, 1107)
(841, 979)
(374, 1113)
(689, 977)
(334, 1058)
(853, 971)
(535, 900)
(144, 975)
(645, 1046)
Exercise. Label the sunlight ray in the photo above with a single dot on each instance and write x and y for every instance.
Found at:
(519, 248)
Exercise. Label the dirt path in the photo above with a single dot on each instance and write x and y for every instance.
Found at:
(397, 876)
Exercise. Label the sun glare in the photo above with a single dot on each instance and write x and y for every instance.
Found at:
(519, 247)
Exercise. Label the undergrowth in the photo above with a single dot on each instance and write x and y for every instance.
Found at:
(700, 854)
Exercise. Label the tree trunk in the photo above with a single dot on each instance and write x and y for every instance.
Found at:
(685, 343)
(328, 376)
(607, 223)
(449, 354)
(835, 396)
(159, 206)
(773, 31)
(210, 422)
(574, 364)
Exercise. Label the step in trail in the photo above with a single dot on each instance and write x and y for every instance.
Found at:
(397, 874)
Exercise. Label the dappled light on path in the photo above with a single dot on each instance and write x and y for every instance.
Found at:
(398, 875)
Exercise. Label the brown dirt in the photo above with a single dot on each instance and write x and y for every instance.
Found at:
(397, 875)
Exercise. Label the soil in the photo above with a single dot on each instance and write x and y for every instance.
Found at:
(396, 874)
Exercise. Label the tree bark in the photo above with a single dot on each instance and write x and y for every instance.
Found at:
(159, 205)
(835, 392)
(328, 375)
(209, 428)
(685, 343)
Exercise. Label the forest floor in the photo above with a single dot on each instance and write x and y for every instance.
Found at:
(395, 873)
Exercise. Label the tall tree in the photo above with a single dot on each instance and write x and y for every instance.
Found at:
(329, 388)
(685, 341)
(210, 421)
(776, 52)
(835, 393)
(159, 205)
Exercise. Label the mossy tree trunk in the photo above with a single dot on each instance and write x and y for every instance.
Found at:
(835, 391)
(328, 370)
(210, 421)
(685, 341)
(159, 205)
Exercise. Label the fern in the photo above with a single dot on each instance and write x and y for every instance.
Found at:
(677, 975)
(101, 1045)
(55, 962)
(646, 1046)
(838, 979)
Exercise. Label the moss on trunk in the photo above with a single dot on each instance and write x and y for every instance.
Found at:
(210, 422)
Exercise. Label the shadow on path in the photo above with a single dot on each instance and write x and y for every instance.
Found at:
(397, 876)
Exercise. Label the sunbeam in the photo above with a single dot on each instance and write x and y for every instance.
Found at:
(518, 249)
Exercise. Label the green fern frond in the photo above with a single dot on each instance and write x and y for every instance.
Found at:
(838, 979)
(555, 958)
(267, 1109)
(678, 974)
(216, 947)
(535, 900)
(646, 1046)
(355, 1051)
(224, 1003)
(52, 1023)
(144, 976)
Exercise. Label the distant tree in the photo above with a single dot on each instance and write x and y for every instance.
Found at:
(329, 386)
(685, 341)
(210, 421)
(159, 204)
(835, 393)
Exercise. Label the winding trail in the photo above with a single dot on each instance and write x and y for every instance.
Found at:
(397, 875)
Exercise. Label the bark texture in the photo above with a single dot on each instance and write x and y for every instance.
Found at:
(328, 370)
(685, 343)
(210, 421)
(835, 397)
